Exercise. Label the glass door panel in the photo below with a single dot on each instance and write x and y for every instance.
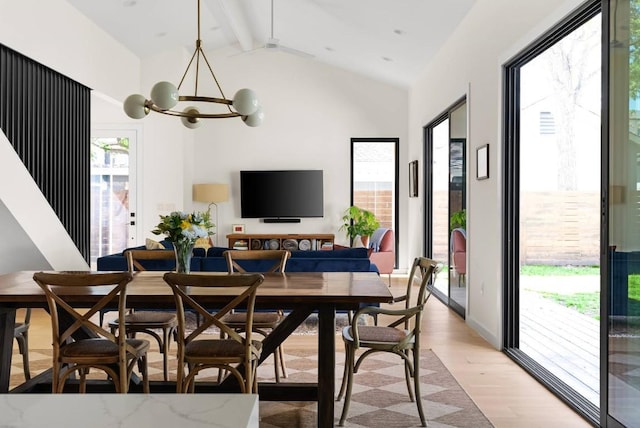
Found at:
(457, 208)
(113, 211)
(374, 179)
(440, 201)
(559, 208)
(623, 282)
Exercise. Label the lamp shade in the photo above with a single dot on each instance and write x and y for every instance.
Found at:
(193, 121)
(211, 192)
(254, 119)
(134, 106)
(245, 102)
(164, 95)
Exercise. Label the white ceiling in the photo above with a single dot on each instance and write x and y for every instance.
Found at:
(388, 40)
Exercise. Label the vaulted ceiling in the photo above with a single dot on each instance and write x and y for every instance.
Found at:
(388, 40)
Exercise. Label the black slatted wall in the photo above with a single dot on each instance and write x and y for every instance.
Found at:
(46, 117)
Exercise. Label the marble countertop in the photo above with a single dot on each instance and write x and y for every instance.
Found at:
(129, 410)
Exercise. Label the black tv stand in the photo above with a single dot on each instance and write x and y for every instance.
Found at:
(281, 220)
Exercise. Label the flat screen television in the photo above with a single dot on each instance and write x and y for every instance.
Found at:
(282, 195)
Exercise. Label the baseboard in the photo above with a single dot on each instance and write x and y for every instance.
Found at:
(496, 342)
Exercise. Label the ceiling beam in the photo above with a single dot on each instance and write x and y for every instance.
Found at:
(229, 14)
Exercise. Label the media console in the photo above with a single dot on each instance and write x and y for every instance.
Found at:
(291, 242)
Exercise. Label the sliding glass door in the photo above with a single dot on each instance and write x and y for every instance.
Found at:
(553, 208)
(446, 202)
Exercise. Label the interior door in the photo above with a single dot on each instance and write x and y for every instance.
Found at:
(113, 195)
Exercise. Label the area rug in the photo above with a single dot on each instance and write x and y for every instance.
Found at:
(308, 327)
(379, 397)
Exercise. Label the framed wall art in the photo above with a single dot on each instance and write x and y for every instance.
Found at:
(482, 162)
(413, 179)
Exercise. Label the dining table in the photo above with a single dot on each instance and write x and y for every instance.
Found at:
(298, 294)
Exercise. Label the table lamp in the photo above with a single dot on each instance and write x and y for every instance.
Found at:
(211, 193)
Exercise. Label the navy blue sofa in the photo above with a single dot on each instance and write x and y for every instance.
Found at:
(211, 260)
(342, 260)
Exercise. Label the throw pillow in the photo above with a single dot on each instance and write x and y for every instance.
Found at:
(204, 243)
(150, 244)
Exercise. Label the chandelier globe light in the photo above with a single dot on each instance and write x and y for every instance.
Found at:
(165, 96)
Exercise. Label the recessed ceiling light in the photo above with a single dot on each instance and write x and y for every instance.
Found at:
(386, 58)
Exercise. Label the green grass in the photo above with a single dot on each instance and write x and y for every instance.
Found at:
(634, 287)
(547, 270)
(585, 303)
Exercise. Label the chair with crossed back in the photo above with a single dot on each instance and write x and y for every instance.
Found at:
(21, 334)
(401, 337)
(234, 353)
(116, 355)
(149, 321)
(270, 261)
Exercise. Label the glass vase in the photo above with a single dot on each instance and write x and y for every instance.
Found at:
(184, 252)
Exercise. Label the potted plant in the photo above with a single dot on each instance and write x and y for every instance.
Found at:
(358, 221)
(458, 219)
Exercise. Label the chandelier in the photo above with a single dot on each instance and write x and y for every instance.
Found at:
(165, 96)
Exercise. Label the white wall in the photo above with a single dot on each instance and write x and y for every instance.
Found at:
(470, 64)
(56, 35)
(311, 112)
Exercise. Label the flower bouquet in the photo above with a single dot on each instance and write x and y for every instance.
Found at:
(183, 229)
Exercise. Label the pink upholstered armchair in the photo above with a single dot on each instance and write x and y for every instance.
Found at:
(383, 253)
(459, 250)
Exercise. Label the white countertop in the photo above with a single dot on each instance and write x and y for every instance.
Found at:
(129, 410)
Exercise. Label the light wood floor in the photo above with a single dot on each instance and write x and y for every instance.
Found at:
(507, 395)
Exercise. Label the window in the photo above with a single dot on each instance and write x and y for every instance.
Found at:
(374, 178)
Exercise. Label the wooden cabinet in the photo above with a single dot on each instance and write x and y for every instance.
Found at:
(291, 242)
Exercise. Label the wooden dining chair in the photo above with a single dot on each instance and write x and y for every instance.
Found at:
(225, 354)
(21, 334)
(98, 348)
(149, 322)
(264, 261)
(400, 337)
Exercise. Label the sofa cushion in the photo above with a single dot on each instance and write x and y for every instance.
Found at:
(339, 264)
(213, 264)
(112, 262)
(217, 251)
(199, 252)
(332, 254)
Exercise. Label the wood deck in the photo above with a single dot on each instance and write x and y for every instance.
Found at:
(566, 342)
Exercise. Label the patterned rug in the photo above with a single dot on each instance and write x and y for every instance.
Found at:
(379, 398)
